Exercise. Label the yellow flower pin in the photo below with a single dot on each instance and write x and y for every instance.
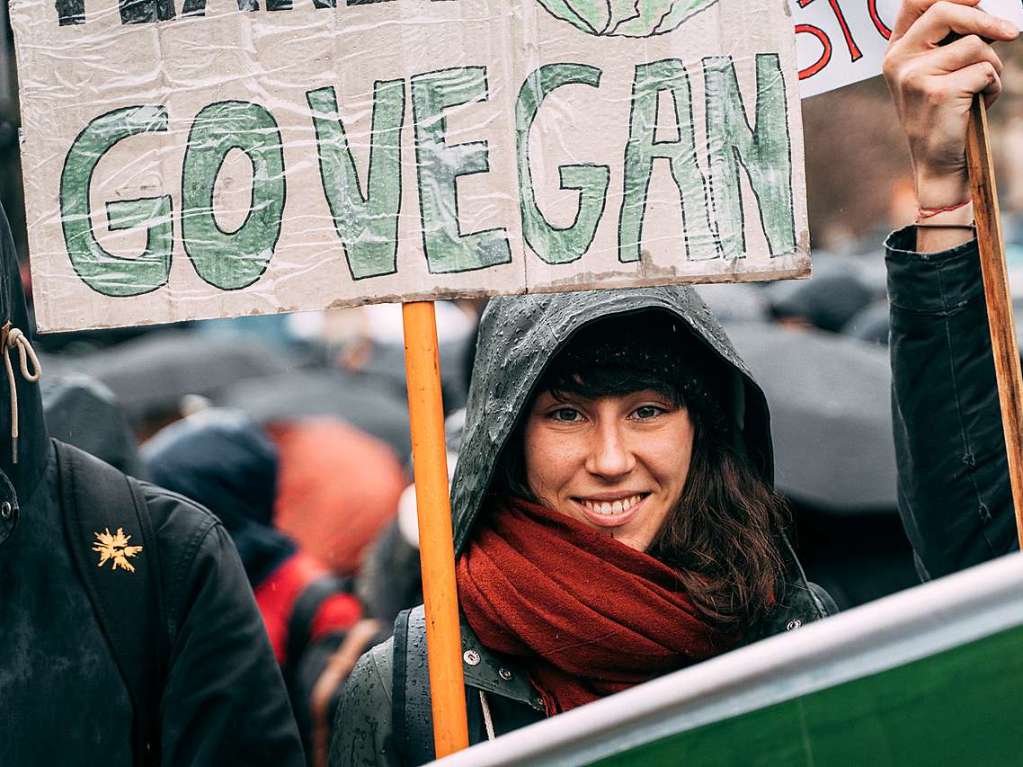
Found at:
(115, 547)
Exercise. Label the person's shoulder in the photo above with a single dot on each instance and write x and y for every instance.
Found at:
(176, 520)
(173, 523)
(363, 727)
(823, 599)
(374, 673)
(193, 547)
(802, 602)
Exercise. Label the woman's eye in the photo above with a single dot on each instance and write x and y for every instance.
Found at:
(646, 412)
(565, 415)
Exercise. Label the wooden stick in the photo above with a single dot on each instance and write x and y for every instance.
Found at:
(436, 543)
(999, 302)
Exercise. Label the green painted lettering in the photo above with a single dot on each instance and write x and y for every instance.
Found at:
(99, 269)
(440, 164)
(643, 149)
(554, 245)
(765, 153)
(232, 260)
(367, 224)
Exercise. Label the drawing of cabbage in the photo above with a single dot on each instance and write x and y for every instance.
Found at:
(626, 18)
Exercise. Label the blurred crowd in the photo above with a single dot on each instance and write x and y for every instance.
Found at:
(293, 430)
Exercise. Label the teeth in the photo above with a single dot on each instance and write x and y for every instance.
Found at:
(609, 508)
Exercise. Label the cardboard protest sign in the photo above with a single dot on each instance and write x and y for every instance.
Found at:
(204, 158)
(840, 42)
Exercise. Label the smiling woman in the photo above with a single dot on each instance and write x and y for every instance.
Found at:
(609, 437)
(615, 520)
(627, 434)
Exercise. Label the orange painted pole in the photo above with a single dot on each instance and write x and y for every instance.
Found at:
(436, 542)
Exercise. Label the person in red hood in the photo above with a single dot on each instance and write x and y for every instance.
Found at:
(224, 461)
(338, 489)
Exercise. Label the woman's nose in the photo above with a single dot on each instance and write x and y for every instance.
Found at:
(610, 454)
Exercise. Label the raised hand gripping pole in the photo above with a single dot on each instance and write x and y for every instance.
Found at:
(996, 291)
(436, 543)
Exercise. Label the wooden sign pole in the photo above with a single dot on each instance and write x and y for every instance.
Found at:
(436, 542)
(999, 302)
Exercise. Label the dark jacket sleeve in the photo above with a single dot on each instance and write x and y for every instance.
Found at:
(224, 701)
(954, 494)
(362, 732)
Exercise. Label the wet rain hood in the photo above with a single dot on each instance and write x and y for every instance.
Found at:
(520, 335)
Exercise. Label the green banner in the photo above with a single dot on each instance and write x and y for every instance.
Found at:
(927, 677)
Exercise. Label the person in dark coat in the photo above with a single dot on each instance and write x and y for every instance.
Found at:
(225, 462)
(221, 696)
(954, 492)
(617, 454)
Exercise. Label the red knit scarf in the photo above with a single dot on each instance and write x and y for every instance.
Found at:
(587, 615)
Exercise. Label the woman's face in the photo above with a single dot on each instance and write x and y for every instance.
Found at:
(616, 463)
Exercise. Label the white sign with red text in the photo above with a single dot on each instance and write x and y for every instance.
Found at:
(840, 42)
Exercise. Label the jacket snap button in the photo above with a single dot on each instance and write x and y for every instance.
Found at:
(471, 657)
(6, 510)
(793, 624)
(505, 674)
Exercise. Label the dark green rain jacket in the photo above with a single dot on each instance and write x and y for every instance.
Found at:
(65, 701)
(384, 718)
(954, 494)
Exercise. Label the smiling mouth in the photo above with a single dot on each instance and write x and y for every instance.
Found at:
(608, 508)
(611, 513)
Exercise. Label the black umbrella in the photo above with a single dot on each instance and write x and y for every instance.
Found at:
(830, 415)
(363, 401)
(827, 301)
(153, 373)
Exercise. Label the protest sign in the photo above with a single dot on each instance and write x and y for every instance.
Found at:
(840, 42)
(204, 158)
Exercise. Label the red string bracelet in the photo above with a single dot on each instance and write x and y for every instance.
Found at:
(925, 213)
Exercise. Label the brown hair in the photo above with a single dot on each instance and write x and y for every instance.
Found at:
(725, 536)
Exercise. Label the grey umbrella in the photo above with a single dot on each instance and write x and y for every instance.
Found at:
(154, 372)
(735, 301)
(830, 415)
(871, 324)
(364, 401)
